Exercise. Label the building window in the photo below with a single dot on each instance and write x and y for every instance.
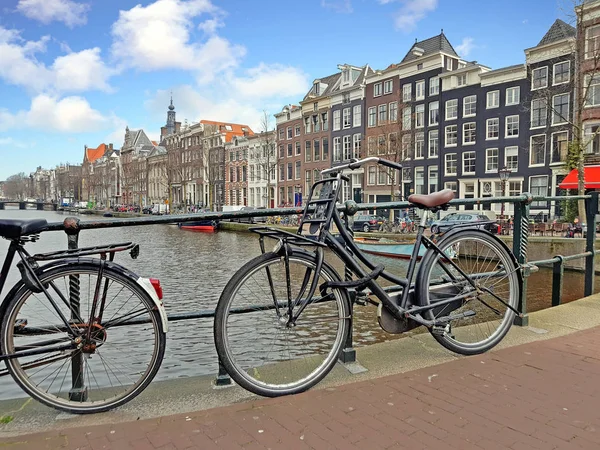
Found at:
(591, 138)
(405, 147)
(448, 63)
(491, 160)
(357, 115)
(388, 86)
(539, 78)
(420, 180)
(492, 127)
(337, 149)
(347, 148)
(407, 92)
(381, 145)
(493, 99)
(307, 125)
(419, 146)
(336, 120)
(451, 164)
(346, 117)
(592, 84)
(281, 151)
(461, 80)
(406, 118)
(470, 106)
(538, 186)
(372, 116)
(452, 185)
(307, 180)
(512, 127)
(420, 90)
(468, 163)
(289, 133)
(432, 177)
(539, 113)
(513, 95)
(372, 174)
(537, 150)
(382, 114)
(298, 169)
(434, 86)
(511, 158)
(325, 149)
(561, 73)
(419, 116)
(307, 151)
(382, 175)
(297, 130)
(560, 146)
(356, 145)
(290, 173)
(376, 89)
(433, 143)
(371, 145)
(281, 134)
(298, 148)
(393, 111)
(451, 136)
(290, 150)
(317, 150)
(469, 133)
(451, 109)
(434, 113)
(592, 41)
(560, 109)
(324, 119)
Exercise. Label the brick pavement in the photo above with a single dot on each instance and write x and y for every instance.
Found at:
(543, 395)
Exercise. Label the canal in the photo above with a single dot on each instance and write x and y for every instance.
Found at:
(193, 269)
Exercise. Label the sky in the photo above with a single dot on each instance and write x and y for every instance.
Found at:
(77, 72)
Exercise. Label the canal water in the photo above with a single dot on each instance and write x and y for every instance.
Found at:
(193, 269)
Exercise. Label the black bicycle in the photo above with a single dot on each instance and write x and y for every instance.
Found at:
(80, 334)
(283, 318)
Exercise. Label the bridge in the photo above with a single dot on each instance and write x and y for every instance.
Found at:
(40, 206)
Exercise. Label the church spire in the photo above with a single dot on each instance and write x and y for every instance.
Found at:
(171, 117)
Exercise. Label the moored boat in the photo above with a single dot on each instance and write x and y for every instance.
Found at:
(387, 247)
(206, 226)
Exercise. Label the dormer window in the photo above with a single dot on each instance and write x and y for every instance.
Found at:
(418, 51)
(346, 75)
(317, 88)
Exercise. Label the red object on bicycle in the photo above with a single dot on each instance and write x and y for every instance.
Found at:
(157, 287)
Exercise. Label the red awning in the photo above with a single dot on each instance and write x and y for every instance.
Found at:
(591, 177)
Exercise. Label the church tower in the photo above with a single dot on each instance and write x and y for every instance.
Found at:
(172, 125)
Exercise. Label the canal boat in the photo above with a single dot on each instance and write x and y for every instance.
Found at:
(205, 226)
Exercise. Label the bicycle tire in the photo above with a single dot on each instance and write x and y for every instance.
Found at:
(244, 353)
(469, 246)
(121, 283)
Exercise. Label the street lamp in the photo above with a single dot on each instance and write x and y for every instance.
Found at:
(504, 174)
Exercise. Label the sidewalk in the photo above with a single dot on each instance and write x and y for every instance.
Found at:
(541, 395)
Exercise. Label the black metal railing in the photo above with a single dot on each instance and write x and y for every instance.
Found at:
(72, 226)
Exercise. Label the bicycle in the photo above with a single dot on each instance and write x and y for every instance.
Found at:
(283, 318)
(75, 332)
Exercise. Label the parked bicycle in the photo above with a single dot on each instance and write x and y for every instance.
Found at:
(79, 334)
(283, 318)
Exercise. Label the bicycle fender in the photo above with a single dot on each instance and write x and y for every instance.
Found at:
(149, 289)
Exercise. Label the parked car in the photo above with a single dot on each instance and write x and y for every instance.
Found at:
(261, 219)
(459, 218)
(366, 222)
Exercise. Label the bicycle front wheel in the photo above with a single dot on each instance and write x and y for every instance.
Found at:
(257, 345)
(480, 274)
(127, 344)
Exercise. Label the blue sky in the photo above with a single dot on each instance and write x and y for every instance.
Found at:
(76, 72)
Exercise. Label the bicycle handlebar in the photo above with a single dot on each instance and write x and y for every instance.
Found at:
(355, 164)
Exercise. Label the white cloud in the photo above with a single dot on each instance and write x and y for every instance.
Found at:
(160, 36)
(273, 80)
(73, 72)
(46, 11)
(339, 6)
(465, 47)
(68, 115)
(210, 26)
(411, 12)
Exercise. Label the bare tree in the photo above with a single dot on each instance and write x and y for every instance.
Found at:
(266, 160)
(16, 186)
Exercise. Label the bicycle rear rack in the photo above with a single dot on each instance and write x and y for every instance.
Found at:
(99, 249)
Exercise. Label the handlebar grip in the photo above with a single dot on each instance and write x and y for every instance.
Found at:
(390, 164)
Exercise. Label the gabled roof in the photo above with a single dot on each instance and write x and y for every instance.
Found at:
(431, 46)
(93, 154)
(558, 32)
(364, 72)
(329, 80)
(230, 129)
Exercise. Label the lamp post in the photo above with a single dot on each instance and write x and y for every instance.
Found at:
(504, 174)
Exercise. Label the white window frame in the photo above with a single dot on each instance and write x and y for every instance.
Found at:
(495, 96)
(506, 136)
(472, 104)
(593, 86)
(395, 109)
(430, 177)
(464, 159)
(514, 94)
(487, 129)
(407, 118)
(431, 109)
(429, 146)
(446, 136)
(552, 144)
(347, 147)
(356, 115)
(587, 142)
(554, 114)
(447, 108)
(510, 151)
(540, 204)
(464, 134)
(487, 160)
(337, 120)
(531, 117)
(588, 53)
(407, 92)
(346, 118)
(420, 90)
(449, 63)
(461, 80)
(356, 145)
(377, 89)
(369, 115)
(422, 146)
(420, 116)
(533, 71)
(446, 156)
(388, 84)
(568, 63)
(434, 86)
(531, 150)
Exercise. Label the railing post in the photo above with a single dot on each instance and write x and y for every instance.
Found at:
(223, 378)
(348, 353)
(520, 241)
(78, 390)
(558, 271)
(590, 211)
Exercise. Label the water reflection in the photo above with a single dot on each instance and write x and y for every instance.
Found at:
(193, 269)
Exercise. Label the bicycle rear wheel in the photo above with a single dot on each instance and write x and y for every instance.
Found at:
(254, 342)
(123, 359)
(481, 315)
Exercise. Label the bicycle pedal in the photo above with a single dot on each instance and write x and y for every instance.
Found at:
(361, 299)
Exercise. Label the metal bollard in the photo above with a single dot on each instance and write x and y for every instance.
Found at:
(223, 378)
(520, 241)
(591, 212)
